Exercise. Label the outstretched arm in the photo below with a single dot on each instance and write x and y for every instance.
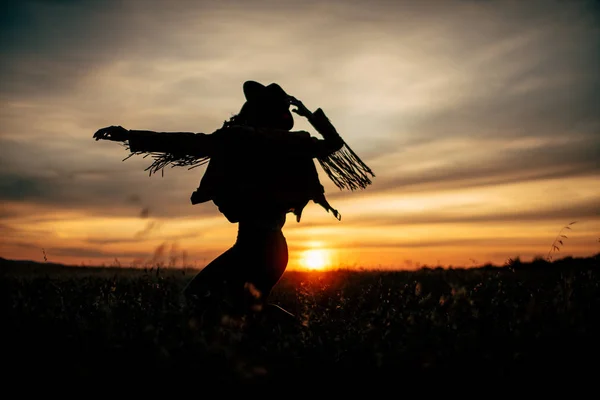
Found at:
(185, 143)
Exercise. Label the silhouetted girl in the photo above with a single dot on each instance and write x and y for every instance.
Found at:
(259, 171)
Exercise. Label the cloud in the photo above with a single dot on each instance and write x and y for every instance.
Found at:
(485, 163)
(67, 181)
(52, 44)
(588, 210)
(148, 229)
(6, 230)
(583, 210)
(144, 213)
(93, 253)
(433, 96)
(142, 238)
(449, 242)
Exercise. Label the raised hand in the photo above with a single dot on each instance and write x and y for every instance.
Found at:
(300, 108)
(114, 133)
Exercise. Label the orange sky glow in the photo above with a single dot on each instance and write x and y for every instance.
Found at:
(480, 121)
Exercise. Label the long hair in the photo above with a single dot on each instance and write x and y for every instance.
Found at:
(236, 119)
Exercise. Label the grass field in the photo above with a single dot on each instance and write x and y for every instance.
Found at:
(515, 321)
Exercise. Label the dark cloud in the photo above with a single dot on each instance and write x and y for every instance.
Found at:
(49, 45)
(27, 246)
(110, 189)
(72, 251)
(487, 163)
(134, 198)
(6, 230)
(471, 242)
(14, 187)
(17, 234)
(93, 253)
(587, 210)
(528, 71)
(552, 110)
(476, 169)
(144, 213)
(97, 199)
(583, 211)
(137, 240)
(150, 227)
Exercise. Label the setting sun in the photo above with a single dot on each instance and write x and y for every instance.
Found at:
(315, 259)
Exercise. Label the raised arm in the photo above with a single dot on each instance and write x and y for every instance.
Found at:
(296, 143)
(185, 143)
(339, 162)
(331, 141)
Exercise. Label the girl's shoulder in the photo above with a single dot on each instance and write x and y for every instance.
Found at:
(246, 134)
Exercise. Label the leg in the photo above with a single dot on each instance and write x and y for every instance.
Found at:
(270, 261)
(273, 262)
(207, 288)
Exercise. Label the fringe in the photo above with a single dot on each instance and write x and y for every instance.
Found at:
(346, 169)
(162, 160)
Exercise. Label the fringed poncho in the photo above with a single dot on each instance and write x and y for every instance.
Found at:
(253, 170)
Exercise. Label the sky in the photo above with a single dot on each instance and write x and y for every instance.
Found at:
(480, 119)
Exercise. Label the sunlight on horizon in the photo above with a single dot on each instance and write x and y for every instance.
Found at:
(316, 259)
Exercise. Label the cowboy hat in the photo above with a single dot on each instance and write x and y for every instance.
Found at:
(272, 97)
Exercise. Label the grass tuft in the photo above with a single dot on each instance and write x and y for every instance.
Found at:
(558, 241)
